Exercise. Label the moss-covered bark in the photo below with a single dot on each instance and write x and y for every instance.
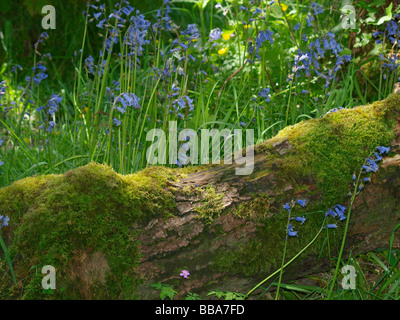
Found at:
(112, 236)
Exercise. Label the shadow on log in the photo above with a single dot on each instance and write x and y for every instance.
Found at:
(112, 236)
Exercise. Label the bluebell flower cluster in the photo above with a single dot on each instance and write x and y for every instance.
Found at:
(3, 89)
(288, 206)
(164, 21)
(51, 109)
(370, 166)
(135, 38)
(125, 100)
(89, 63)
(308, 62)
(317, 8)
(261, 38)
(337, 212)
(40, 75)
(265, 93)
(391, 32)
(41, 39)
(215, 35)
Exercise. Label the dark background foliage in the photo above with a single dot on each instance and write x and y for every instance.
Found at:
(20, 27)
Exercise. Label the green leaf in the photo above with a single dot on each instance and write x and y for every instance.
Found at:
(389, 10)
(383, 19)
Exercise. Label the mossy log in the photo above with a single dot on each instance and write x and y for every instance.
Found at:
(112, 236)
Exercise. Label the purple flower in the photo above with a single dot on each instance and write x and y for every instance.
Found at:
(340, 211)
(184, 274)
(129, 100)
(391, 27)
(100, 24)
(53, 103)
(39, 77)
(215, 34)
(189, 102)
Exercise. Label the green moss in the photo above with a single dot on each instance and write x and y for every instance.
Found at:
(82, 219)
(333, 147)
(212, 205)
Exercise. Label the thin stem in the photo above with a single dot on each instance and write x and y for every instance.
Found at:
(289, 262)
(283, 256)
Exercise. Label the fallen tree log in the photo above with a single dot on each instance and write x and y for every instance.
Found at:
(112, 236)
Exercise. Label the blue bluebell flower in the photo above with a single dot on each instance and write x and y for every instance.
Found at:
(299, 219)
(53, 103)
(302, 202)
(5, 219)
(331, 213)
(265, 93)
(51, 126)
(317, 8)
(331, 226)
(391, 27)
(117, 122)
(310, 19)
(287, 206)
(291, 232)
(215, 34)
(383, 150)
(377, 157)
(371, 166)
